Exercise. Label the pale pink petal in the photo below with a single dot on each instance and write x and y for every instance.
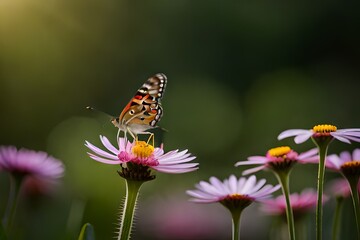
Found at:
(100, 152)
(108, 145)
(253, 170)
(233, 184)
(356, 154)
(340, 138)
(349, 130)
(308, 154)
(176, 161)
(241, 163)
(176, 171)
(293, 132)
(302, 137)
(258, 185)
(345, 156)
(249, 184)
(104, 160)
(333, 162)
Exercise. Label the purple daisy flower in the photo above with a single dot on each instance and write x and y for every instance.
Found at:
(234, 194)
(300, 203)
(339, 188)
(345, 162)
(301, 135)
(29, 163)
(232, 189)
(279, 158)
(142, 154)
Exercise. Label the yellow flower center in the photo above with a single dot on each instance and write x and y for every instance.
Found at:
(351, 168)
(142, 149)
(324, 128)
(351, 164)
(236, 196)
(279, 151)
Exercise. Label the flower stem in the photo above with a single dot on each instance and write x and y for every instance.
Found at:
(15, 184)
(283, 177)
(323, 147)
(127, 218)
(236, 213)
(353, 181)
(337, 217)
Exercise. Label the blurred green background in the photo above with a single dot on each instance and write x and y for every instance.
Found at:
(238, 74)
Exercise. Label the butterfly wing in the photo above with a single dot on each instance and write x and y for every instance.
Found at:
(144, 110)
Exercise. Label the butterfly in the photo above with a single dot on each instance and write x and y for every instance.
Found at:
(144, 110)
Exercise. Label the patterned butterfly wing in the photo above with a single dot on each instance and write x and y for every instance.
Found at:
(144, 110)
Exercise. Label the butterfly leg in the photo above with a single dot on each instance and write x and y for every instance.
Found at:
(151, 138)
(134, 136)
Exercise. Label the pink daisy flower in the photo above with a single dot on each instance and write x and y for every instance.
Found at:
(346, 162)
(279, 158)
(141, 154)
(29, 163)
(232, 190)
(234, 194)
(300, 203)
(323, 130)
(339, 188)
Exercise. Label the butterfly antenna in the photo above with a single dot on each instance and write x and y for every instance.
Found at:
(97, 110)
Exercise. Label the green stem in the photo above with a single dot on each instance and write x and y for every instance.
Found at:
(15, 184)
(236, 213)
(283, 178)
(127, 218)
(320, 188)
(353, 181)
(337, 217)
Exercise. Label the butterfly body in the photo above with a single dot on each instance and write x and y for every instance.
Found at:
(144, 110)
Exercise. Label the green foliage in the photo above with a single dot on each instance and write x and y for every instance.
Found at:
(87, 232)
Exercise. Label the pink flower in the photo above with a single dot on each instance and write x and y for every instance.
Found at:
(339, 188)
(301, 135)
(278, 158)
(29, 163)
(142, 154)
(232, 189)
(300, 203)
(345, 161)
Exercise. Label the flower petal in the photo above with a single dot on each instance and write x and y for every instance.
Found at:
(108, 145)
(99, 151)
(293, 132)
(253, 170)
(104, 160)
(356, 155)
(302, 137)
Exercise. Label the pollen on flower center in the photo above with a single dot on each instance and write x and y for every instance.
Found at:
(142, 149)
(324, 128)
(279, 151)
(351, 168)
(237, 196)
